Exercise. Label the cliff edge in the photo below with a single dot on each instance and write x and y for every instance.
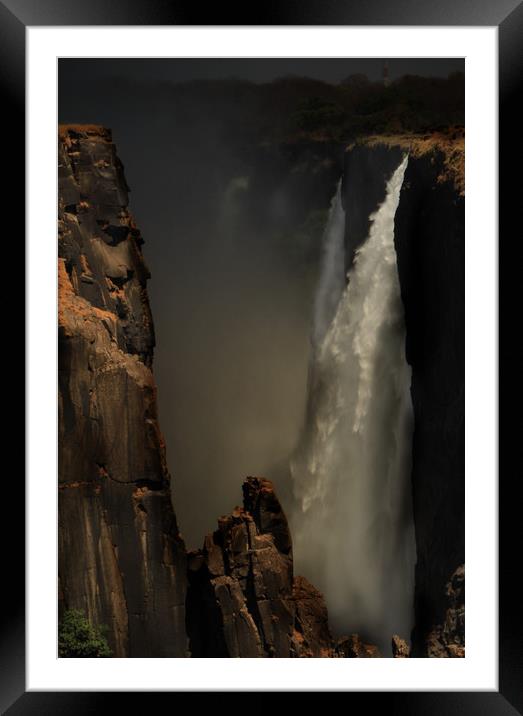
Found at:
(121, 559)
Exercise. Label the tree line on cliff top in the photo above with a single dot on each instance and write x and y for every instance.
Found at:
(300, 108)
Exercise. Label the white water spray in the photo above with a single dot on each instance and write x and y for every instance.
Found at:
(332, 276)
(352, 529)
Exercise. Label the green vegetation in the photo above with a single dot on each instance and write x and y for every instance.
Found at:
(78, 638)
(300, 108)
(358, 107)
(315, 114)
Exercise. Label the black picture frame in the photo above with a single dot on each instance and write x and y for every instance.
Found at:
(507, 16)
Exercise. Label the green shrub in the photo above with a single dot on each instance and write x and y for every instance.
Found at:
(78, 638)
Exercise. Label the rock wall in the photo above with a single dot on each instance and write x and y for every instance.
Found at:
(430, 246)
(243, 600)
(121, 559)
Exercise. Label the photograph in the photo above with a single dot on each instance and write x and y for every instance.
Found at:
(267, 304)
(261, 357)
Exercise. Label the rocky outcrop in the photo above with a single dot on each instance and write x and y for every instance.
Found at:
(448, 639)
(430, 247)
(352, 647)
(400, 648)
(311, 635)
(121, 559)
(243, 600)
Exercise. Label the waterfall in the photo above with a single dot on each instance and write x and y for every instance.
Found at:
(332, 276)
(352, 522)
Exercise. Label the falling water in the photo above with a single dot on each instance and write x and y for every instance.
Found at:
(332, 277)
(353, 530)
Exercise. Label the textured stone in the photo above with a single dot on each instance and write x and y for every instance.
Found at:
(400, 648)
(243, 600)
(448, 639)
(352, 647)
(312, 636)
(121, 559)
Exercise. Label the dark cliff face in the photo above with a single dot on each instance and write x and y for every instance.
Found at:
(121, 559)
(430, 246)
(243, 600)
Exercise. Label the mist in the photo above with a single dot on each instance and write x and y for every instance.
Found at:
(232, 369)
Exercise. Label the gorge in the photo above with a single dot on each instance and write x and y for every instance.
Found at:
(122, 560)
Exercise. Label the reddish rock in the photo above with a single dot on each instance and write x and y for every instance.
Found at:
(243, 600)
(352, 647)
(400, 648)
(312, 635)
(121, 559)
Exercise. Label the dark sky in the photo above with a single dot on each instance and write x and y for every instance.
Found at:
(232, 317)
(257, 70)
